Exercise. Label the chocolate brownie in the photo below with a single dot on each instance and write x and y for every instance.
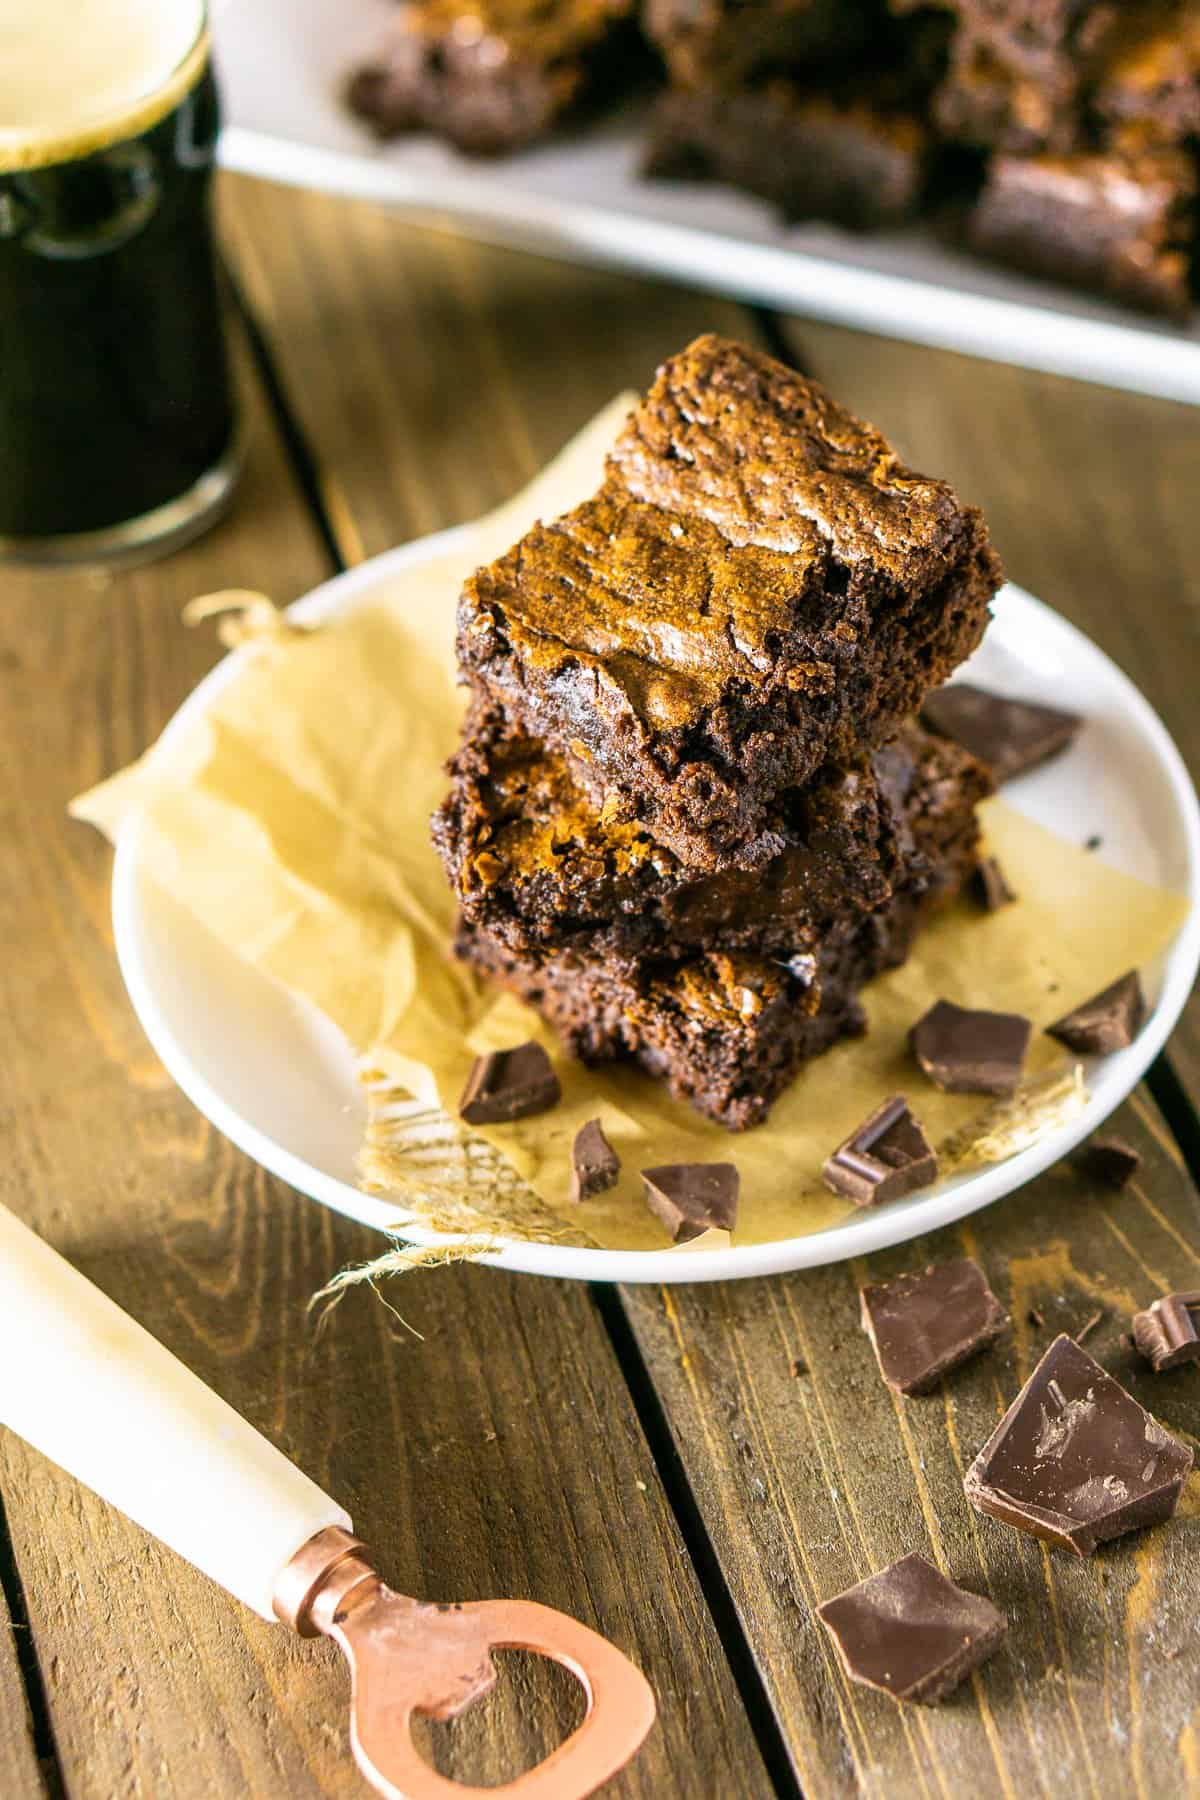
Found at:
(1152, 77)
(726, 1031)
(761, 586)
(985, 103)
(489, 75)
(538, 866)
(1119, 222)
(727, 42)
(811, 156)
(1046, 41)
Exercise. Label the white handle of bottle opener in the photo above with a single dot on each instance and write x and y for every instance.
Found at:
(92, 1390)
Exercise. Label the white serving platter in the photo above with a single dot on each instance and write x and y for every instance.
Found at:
(275, 1077)
(282, 65)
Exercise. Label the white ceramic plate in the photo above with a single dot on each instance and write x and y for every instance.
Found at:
(282, 65)
(278, 1079)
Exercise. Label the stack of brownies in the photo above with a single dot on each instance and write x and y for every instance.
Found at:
(691, 814)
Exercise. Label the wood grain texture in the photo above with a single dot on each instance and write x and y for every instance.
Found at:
(1090, 496)
(811, 1474)
(458, 370)
(498, 1455)
(20, 1771)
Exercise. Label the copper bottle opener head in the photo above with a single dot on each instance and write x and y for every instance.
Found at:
(407, 1657)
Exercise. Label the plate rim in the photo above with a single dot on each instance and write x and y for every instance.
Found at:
(863, 1233)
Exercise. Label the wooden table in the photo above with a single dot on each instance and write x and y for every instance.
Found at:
(688, 1470)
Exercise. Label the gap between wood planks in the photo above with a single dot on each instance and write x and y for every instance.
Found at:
(41, 1727)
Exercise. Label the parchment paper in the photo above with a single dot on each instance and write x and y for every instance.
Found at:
(291, 817)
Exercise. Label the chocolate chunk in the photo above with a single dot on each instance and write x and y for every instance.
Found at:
(509, 1084)
(693, 1197)
(1168, 1333)
(595, 1165)
(1011, 736)
(910, 1632)
(1075, 1460)
(989, 886)
(1108, 1021)
(922, 1326)
(1109, 1160)
(887, 1157)
(966, 1052)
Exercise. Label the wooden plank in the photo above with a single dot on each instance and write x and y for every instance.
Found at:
(459, 370)
(1089, 494)
(498, 1455)
(811, 1474)
(23, 1778)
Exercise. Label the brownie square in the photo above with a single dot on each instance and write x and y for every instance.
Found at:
(490, 75)
(726, 42)
(538, 866)
(726, 1031)
(985, 103)
(1152, 76)
(812, 156)
(1119, 222)
(760, 587)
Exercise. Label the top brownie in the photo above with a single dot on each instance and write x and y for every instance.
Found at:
(759, 587)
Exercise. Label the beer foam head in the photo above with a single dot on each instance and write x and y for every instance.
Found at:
(78, 74)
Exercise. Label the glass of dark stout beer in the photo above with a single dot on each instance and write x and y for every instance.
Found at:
(118, 437)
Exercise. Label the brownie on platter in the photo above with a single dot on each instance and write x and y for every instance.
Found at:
(1118, 221)
(538, 866)
(760, 587)
(491, 75)
(724, 43)
(812, 155)
(726, 1031)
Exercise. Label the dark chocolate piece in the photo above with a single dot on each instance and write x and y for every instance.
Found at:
(924, 1325)
(910, 1632)
(690, 1198)
(887, 1157)
(1010, 736)
(1168, 1333)
(1108, 1021)
(965, 1052)
(509, 1084)
(989, 886)
(1075, 1460)
(595, 1165)
(1109, 1160)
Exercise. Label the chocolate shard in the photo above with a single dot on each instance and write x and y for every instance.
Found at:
(887, 1157)
(989, 887)
(1168, 1333)
(595, 1165)
(690, 1198)
(911, 1632)
(924, 1325)
(509, 1084)
(1109, 1160)
(965, 1052)
(1108, 1021)
(1075, 1460)
(1011, 736)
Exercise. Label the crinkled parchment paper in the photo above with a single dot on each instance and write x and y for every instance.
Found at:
(291, 818)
